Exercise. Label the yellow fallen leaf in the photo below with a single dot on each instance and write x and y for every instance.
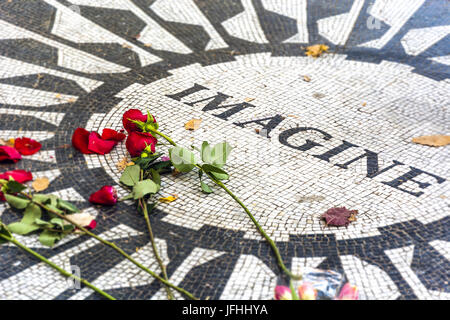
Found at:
(193, 124)
(40, 184)
(58, 95)
(316, 50)
(169, 199)
(249, 99)
(9, 142)
(434, 140)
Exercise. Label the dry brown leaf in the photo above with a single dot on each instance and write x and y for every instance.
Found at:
(169, 199)
(126, 45)
(293, 116)
(249, 99)
(193, 124)
(122, 164)
(147, 44)
(316, 50)
(175, 172)
(364, 104)
(82, 219)
(71, 100)
(433, 141)
(306, 78)
(40, 184)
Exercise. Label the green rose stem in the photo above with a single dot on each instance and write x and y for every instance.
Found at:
(112, 245)
(143, 205)
(258, 226)
(51, 264)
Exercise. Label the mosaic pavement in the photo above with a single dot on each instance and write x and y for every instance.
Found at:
(341, 139)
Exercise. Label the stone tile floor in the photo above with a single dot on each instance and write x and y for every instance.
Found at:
(341, 139)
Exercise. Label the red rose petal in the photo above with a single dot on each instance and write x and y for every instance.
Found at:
(9, 154)
(80, 140)
(27, 146)
(110, 134)
(100, 146)
(20, 176)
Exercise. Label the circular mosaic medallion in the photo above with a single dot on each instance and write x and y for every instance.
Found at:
(308, 134)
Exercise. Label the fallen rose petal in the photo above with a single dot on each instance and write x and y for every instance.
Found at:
(80, 140)
(138, 141)
(133, 114)
(110, 134)
(283, 293)
(9, 154)
(107, 195)
(27, 146)
(83, 219)
(100, 146)
(20, 176)
(348, 292)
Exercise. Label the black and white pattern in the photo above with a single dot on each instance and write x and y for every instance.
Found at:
(239, 65)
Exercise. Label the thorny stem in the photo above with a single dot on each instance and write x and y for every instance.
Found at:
(54, 266)
(255, 222)
(112, 245)
(143, 205)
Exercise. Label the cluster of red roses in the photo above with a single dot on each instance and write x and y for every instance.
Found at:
(22, 147)
(138, 141)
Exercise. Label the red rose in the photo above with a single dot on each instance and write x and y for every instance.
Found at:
(138, 141)
(107, 195)
(133, 114)
(80, 140)
(8, 153)
(27, 146)
(100, 146)
(20, 176)
(110, 134)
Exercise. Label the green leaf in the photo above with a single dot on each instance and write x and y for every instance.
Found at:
(182, 159)
(205, 187)
(143, 188)
(48, 238)
(41, 198)
(206, 152)
(156, 178)
(4, 232)
(216, 172)
(16, 202)
(15, 187)
(219, 154)
(131, 175)
(54, 208)
(31, 213)
(58, 221)
(130, 196)
(53, 200)
(43, 223)
(67, 206)
(22, 228)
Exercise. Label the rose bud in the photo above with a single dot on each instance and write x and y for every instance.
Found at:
(107, 195)
(27, 146)
(283, 293)
(348, 292)
(136, 115)
(137, 142)
(100, 146)
(9, 154)
(80, 140)
(307, 292)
